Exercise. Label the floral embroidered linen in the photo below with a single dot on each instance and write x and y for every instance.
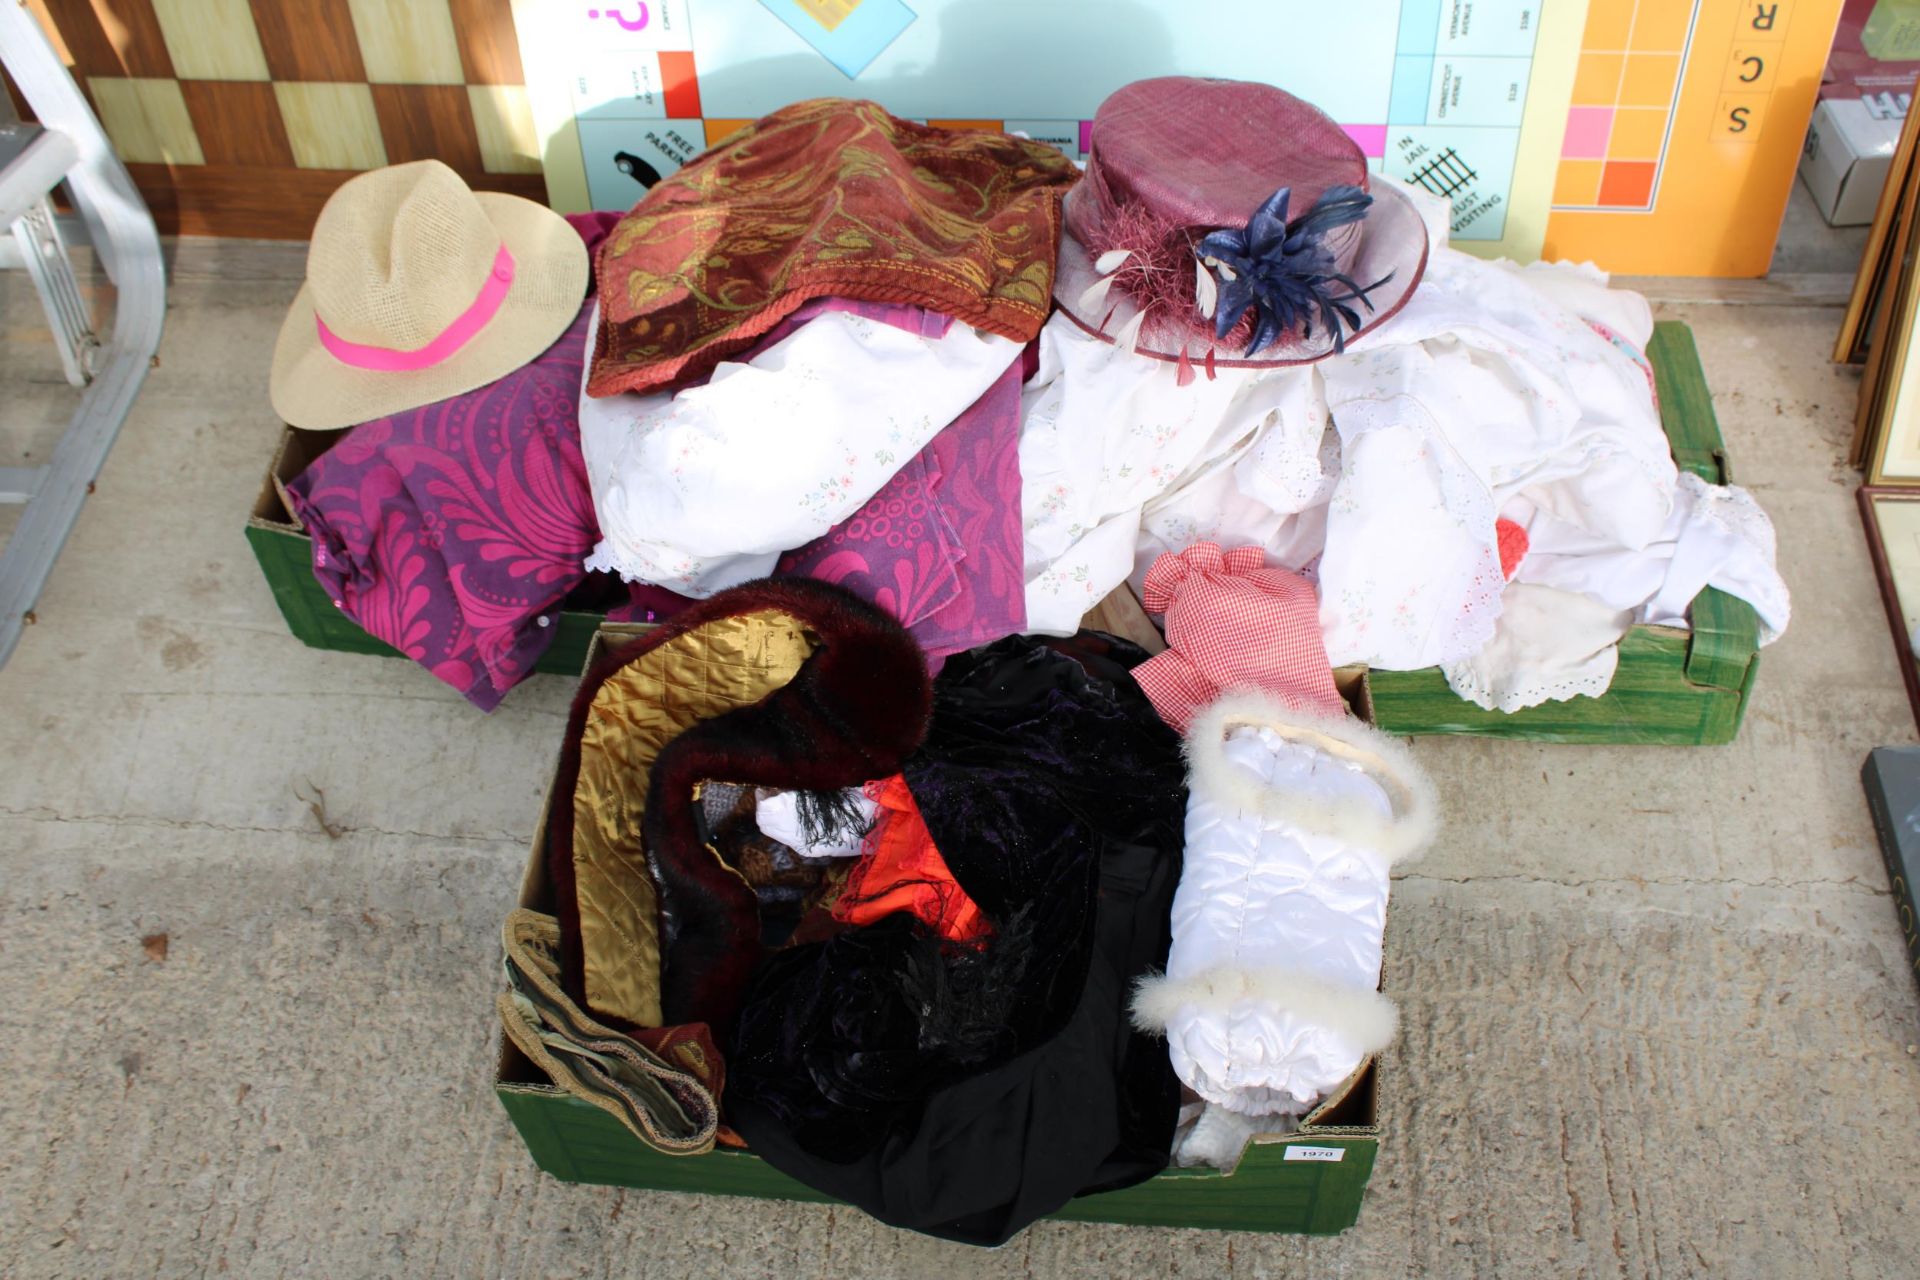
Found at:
(826, 198)
(1103, 434)
(938, 547)
(453, 531)
(1493, 383)
(1715, 536)
(713, 485)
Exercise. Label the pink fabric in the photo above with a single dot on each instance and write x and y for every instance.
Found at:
(1206, 153)
(1176, 157)
(1233, 623)
(454, 532)
(449, 340)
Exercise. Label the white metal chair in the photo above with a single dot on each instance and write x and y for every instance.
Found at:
(69, 146)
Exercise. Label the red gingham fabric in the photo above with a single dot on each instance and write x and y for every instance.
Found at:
(1233, 623)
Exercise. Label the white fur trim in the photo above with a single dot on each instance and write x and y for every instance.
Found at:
(1366, 1020)
(1219, 1137)
(1416, 809)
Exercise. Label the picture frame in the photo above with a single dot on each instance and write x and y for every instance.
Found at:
(1886, 440)
(1889, 426)
(1885, 245)
(1879, 326)
(1890, 333)
(1891, 517)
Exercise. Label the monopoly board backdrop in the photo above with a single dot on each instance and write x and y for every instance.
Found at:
(1467, 98)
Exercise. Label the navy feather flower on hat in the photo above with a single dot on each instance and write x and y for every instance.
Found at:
(1285, 272)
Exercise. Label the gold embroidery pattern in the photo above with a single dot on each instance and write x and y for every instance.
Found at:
(827, 198)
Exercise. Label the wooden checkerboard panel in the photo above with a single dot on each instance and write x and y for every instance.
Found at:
(240, 117)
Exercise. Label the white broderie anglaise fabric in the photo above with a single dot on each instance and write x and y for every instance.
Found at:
(1382, 469)
(704, 488)
(1548, 646)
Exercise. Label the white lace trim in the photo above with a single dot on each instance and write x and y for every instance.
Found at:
(605, 559)
(694, 578)
(1516, 693)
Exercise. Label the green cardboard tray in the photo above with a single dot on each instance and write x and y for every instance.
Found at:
(1310, 1182)
(1307, 1182)
(1672, 687)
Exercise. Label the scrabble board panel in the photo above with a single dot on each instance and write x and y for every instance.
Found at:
(1684, 129)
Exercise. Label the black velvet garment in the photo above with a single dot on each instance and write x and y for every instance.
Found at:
(966, 1091)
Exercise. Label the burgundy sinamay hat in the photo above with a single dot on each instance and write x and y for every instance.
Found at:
(1228, 223)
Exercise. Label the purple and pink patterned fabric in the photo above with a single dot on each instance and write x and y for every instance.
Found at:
(453, 531)
(939, 547)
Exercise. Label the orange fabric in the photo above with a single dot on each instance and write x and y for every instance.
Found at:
(1513, 542)
(826, 199)
(903, 871)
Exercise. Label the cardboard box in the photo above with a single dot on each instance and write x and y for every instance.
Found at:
(285, 555)
(1863, 99)
(1673, 687)
(1307, 1182)
(1849, 150)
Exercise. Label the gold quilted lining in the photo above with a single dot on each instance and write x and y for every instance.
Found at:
(712, 669)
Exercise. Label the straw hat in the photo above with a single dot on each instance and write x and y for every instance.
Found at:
(418, 289)
(1182, 198)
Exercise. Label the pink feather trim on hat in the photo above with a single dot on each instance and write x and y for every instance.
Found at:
(1158, 275)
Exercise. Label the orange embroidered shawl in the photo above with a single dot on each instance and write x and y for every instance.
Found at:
(831, 197)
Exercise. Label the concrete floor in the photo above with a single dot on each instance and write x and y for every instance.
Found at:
(1657, 1019)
